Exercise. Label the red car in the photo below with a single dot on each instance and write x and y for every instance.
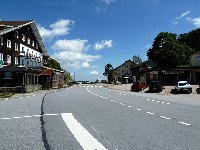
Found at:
(138, 86)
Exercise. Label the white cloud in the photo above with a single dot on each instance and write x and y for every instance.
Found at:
(85, 65)
(103, 44)
(107, 2)
(76, 45)
(195, 21)
(183, 15)
(72, 53)
(94, 73)
(61, 27)
(103, 5)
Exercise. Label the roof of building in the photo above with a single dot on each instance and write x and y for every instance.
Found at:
(125, 63)
(46, 72)
(14, 25)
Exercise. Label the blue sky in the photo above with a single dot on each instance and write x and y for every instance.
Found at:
(85, 35)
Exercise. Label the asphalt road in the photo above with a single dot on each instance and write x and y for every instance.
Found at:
(98, 118)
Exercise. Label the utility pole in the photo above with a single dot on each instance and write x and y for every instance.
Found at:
(74, 76)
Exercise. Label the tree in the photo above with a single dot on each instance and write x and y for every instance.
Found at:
(67, 77)
(191, 39)
(137, 60)
(52, 63)
(108, 67)
(168, 52)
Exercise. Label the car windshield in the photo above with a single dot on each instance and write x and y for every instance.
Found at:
(183, 84)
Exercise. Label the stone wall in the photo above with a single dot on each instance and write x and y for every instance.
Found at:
(32, 88)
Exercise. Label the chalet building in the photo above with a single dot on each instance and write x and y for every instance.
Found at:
(22, 54)
(127, 72)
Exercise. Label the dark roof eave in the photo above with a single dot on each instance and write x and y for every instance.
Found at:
(35, 30)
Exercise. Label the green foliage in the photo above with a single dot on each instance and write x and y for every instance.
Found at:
(67, 77)
(168, 52)
(108, 67)
(5, 94)
(52, 63)
(191, 39)
(137, 59)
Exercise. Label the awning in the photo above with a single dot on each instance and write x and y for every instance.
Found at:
(46, 72)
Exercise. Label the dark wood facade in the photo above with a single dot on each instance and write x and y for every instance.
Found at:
(15, 37)
(19, 42)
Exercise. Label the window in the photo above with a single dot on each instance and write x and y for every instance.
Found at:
(1, 56)
(33, 43)
(28, 41)
(16, 46)
(16, 61)
(9, 43)
(36, 45)
(1, 38)
(22, 62)
(23, 38)
(27, 62)
(22, 49)
(8, 59)
(16, 34)
(27, 52)
(7, 75)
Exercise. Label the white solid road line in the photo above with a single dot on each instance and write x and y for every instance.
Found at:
(85, 139)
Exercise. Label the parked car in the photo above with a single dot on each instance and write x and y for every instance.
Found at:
(138, 86)
(156, 86)
(183, 86)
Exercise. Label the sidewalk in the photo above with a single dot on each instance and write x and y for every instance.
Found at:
(17, 95)
(166, 91)
(166, 95)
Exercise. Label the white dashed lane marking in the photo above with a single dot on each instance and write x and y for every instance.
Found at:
(28, 116)
(165, 117)
(157, 101)
(139, 109)
(150, 113)
(50, 114)
(183, 123)
(122, 104)
(5, 118)
(16, 117)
